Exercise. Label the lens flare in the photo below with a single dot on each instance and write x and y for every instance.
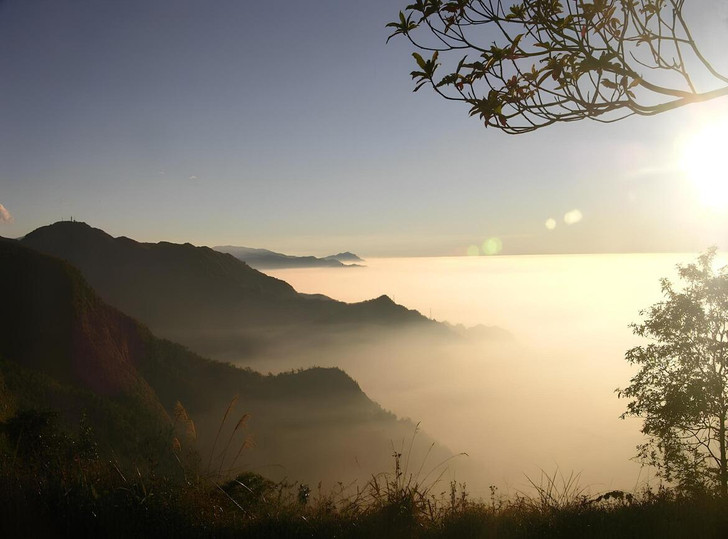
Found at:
(572, 217)
(492, 246)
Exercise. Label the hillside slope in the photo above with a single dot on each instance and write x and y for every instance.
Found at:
(210, 301)
(62, 347)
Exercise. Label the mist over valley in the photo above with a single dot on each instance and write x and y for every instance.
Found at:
(514, 363)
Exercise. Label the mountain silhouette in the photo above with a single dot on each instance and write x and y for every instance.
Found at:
(344, 257)
(62, 347)
(265, 259)
(210, 301)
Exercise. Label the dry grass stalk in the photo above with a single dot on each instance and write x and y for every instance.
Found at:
(229, 409)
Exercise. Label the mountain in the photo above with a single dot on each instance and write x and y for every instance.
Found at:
(265, 259)
(63, 348)
(210, 301)
(345, 257)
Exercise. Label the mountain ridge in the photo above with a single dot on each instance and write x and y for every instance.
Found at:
(346, 256)
(62, 347)
(266, 259)
(210, 301)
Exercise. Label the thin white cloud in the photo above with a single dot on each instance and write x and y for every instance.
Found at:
(572, 217)
(193, 177)
(5, 216)
(550, 223)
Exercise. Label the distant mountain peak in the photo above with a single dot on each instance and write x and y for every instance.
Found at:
(265, 259)
(346, 256)
(68, 227)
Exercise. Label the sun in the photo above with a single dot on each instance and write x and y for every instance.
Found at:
(704, 158)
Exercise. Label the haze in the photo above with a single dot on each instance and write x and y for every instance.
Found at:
(295, 129)
(542, 401)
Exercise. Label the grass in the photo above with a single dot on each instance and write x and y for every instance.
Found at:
(57, 485)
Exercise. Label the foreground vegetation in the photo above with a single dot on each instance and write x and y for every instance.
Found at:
(58, 484)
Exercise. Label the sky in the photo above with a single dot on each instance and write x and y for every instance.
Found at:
(296, 129)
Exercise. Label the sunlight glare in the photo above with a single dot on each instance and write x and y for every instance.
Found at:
(703, 160)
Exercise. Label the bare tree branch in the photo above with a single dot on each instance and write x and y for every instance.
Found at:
(531, 63)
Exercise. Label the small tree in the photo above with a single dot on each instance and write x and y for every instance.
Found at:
(681, 389)
(526, 64)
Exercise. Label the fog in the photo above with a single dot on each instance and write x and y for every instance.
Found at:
(544, 399)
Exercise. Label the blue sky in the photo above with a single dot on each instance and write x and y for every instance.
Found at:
(295, 128)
